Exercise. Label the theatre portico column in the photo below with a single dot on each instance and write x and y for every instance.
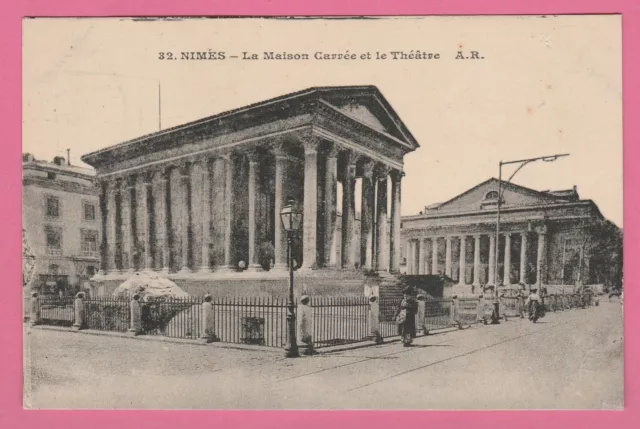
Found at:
(254, 264)
(423, 254)
(348, 212)
(103, 227)
(382, 243)
(542, 256)
(396, 183)
(506, 277)
(330, 216)
(476, 260)
(462, 276)
(366, 216)
(227, 211)
(492, 260)
(310, 210)
(184, 217)
(434, 255)
(447, 264)
(523, 258)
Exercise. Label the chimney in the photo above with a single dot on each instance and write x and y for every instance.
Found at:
(59, 160)
(69, 157)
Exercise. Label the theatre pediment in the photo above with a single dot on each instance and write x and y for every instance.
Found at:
(484, 196)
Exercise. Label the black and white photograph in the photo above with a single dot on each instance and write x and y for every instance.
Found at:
(290, 213)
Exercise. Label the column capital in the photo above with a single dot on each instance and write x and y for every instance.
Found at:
(333, 150)
(253, 155)
(350, 157)
(279, 149)
(382, 171)
(396, 175)
(368, 168)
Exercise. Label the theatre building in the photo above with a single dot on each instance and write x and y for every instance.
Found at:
(546, 237)
(200, 203)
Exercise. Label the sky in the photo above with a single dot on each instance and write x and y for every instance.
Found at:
(544, 86)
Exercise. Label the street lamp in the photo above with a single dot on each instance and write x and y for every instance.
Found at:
(522, 163)
(291, 220)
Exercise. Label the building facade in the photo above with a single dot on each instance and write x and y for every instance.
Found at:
(61, 219)
(546, 238)
(202, 201)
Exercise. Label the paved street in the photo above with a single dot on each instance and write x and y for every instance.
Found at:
(569, 360)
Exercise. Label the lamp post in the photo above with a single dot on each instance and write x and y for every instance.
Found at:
(291, 220)
(522, 163)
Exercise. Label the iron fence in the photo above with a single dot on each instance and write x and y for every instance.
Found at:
(107, 313)
(388, 310)
(253, 320)
(340, 320)
(172, 317)
(438, 314)
(56, 310)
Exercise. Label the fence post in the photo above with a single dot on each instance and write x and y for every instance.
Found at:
(35, 309)
(207, 327)
(136, 315)
(480, 316)
(422, 314)
(78, 307)
(374, 319)
(305, 325)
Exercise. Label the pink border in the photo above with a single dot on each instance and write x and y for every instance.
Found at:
(11, 413)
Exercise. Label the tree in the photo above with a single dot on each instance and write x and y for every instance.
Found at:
(603, 244)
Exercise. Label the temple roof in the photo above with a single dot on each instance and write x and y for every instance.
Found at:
(363, 105)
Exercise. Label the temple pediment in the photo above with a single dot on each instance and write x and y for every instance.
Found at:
(484, 196)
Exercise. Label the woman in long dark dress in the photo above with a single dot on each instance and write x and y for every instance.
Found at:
(406, 318)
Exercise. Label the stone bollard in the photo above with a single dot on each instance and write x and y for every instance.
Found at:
(374, 319)
(207, 328)
(422, 315)
(78, 307)
(35, 309)
(136, 315)
(305, 325)
(455, 312)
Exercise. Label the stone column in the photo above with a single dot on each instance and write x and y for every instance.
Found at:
(382, 243)
(447, 264)
(414, 267)
(330, 207)
(205, 202)
(254, 263)
(349, 212)
(476, 260)
(462, 277)
(523, 258)
(129, 215)
(104, 250)
(228, 212)
(542, 257)
(423, 254)
(310, 212)
(506, 276)
(396, 182)
(145, 212)
(434, 255)
(492, 260)
(111, 228)
(280, 235)
(409, 267)
(164, 207)
(366, 216)
(184, 218)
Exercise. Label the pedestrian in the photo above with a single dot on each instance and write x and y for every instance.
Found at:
(406, 317)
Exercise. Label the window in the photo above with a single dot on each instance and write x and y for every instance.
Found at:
(491, 195)
(52, 207)
(54, 239)
(89, 241)
(51, 176)
(54, 270)
(89, 212)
